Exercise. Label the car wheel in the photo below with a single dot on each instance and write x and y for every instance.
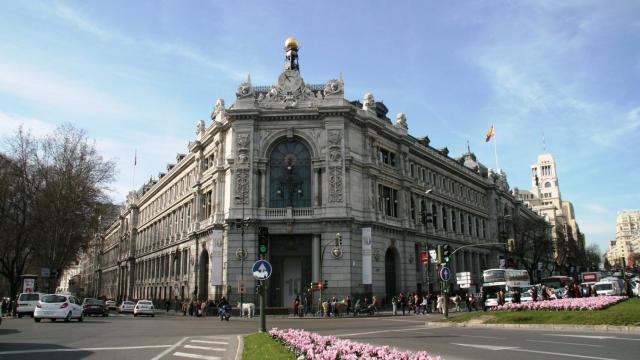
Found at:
(81, 318)
(19, 316)
(36, 319)
(152, 315)
(105, 314)
(135, 315)
(68, 318)
(53, 320)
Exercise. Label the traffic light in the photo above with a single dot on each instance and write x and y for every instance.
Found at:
(446, 253)
(263, 240)
(511, 245)
(313, 286)
(440, 257)
(424, 257)
(325, 285)
(338, 240)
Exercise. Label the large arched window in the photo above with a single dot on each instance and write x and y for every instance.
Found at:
(290, 175)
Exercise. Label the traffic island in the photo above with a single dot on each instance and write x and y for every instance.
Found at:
(261, 346)
(624, 314)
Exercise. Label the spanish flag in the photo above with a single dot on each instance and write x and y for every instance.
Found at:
(490, 134)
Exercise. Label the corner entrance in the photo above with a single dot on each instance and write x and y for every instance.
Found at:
(290, 257)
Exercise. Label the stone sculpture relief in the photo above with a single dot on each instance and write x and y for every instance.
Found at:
(401, 121)
(368, 101)
(242, 186)
(335, 184)
(218, 110)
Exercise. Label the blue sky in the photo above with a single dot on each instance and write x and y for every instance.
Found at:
(141, 74)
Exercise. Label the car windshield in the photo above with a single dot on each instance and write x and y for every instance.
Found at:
(144, 302)
(127, 303)
(29, 297)
(54, 299)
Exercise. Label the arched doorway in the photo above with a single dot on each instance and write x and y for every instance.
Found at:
(390, 273)
(203, 274)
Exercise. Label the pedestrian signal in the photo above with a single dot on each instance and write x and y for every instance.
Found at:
(424, 258)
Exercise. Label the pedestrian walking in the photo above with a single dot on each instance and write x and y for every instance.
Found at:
(439, 305)
(192, 308)
(167, 304)
(457, 301)
(296, 304)
(534, 293)
(394, 305)
(347, 302)
(185, 308)
(401, 302)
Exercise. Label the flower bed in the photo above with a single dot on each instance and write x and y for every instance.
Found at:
(576, 304)
(307, 345)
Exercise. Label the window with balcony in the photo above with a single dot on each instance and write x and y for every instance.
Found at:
(290, 175)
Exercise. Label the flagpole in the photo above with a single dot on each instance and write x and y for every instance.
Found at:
(495, 151)
(135, 162)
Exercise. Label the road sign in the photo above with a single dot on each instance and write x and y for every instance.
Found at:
(261, 270)
(44, 272)
(445, 273)
(462, 276)
(241, 288)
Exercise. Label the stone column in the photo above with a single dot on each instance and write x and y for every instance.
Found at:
(263, 188)
(315, 257)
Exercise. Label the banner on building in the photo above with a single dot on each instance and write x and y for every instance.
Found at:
(367, 249)
(216, 257)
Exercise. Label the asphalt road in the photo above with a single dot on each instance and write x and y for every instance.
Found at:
(176, 337)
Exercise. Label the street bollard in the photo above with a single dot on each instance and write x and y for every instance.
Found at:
(263, 317)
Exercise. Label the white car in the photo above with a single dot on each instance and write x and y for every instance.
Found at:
(126, 307)
(58, 306)
(143, 307)
(27, 303)
(111, 305)
(607, 288)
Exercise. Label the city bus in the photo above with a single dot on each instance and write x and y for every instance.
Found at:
(494, 280)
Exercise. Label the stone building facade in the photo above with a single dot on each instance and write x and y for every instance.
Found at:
(300, 164)
(627, 242)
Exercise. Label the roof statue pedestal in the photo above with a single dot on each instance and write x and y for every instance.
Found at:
(219, 113)
(401, 124)
(369, 103)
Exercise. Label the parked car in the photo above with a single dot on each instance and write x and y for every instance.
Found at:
(143, 307)
(27, 303)
(94, 307)
(126, 307)
(58, 306)
(111, 305)
(607, 288)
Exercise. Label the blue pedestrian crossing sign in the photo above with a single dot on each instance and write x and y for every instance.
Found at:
(261, 270)
(445, 273)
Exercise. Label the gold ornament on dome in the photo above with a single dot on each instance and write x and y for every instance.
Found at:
(291, 43)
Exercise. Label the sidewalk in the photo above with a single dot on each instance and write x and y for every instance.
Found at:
(602, 328)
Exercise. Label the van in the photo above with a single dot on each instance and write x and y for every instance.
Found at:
(607, 288)
(27, 303)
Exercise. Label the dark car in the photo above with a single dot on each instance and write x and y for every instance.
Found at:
(94, 307)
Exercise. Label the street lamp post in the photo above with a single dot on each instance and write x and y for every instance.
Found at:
(242, 251)
(336, 252)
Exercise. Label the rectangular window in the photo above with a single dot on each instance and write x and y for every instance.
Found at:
(387, 157)
(444, 219)
(388, 200)
(434, 216)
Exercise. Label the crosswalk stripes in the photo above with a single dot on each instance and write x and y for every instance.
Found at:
(207, 348)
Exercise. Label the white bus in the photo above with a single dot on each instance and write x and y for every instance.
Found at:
(494, 280)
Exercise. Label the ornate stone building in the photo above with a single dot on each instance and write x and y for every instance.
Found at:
(297, 164)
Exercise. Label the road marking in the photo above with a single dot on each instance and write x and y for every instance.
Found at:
(480, 336)
(210, 342)
(82, 349)
(195, 356)
(204, 348)
(486, 347)
(562, 354)
(173, 347)
(564, 343)
(240, 347)
(597, 337)
(384, 331)
(508, 348)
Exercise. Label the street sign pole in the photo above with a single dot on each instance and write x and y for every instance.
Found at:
(445, 303)
(263, 316)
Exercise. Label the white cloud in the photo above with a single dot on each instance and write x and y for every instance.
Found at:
(9, 124)
(613, 131)
(39, 86)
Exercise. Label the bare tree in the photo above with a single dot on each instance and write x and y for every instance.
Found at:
(18, 189)
(52, 191)
(533, 245)
(74, 179)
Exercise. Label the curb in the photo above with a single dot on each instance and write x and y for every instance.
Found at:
(240, 347)
(604, 328)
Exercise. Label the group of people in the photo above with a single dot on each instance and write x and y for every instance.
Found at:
(201, 308)
(429, 303)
